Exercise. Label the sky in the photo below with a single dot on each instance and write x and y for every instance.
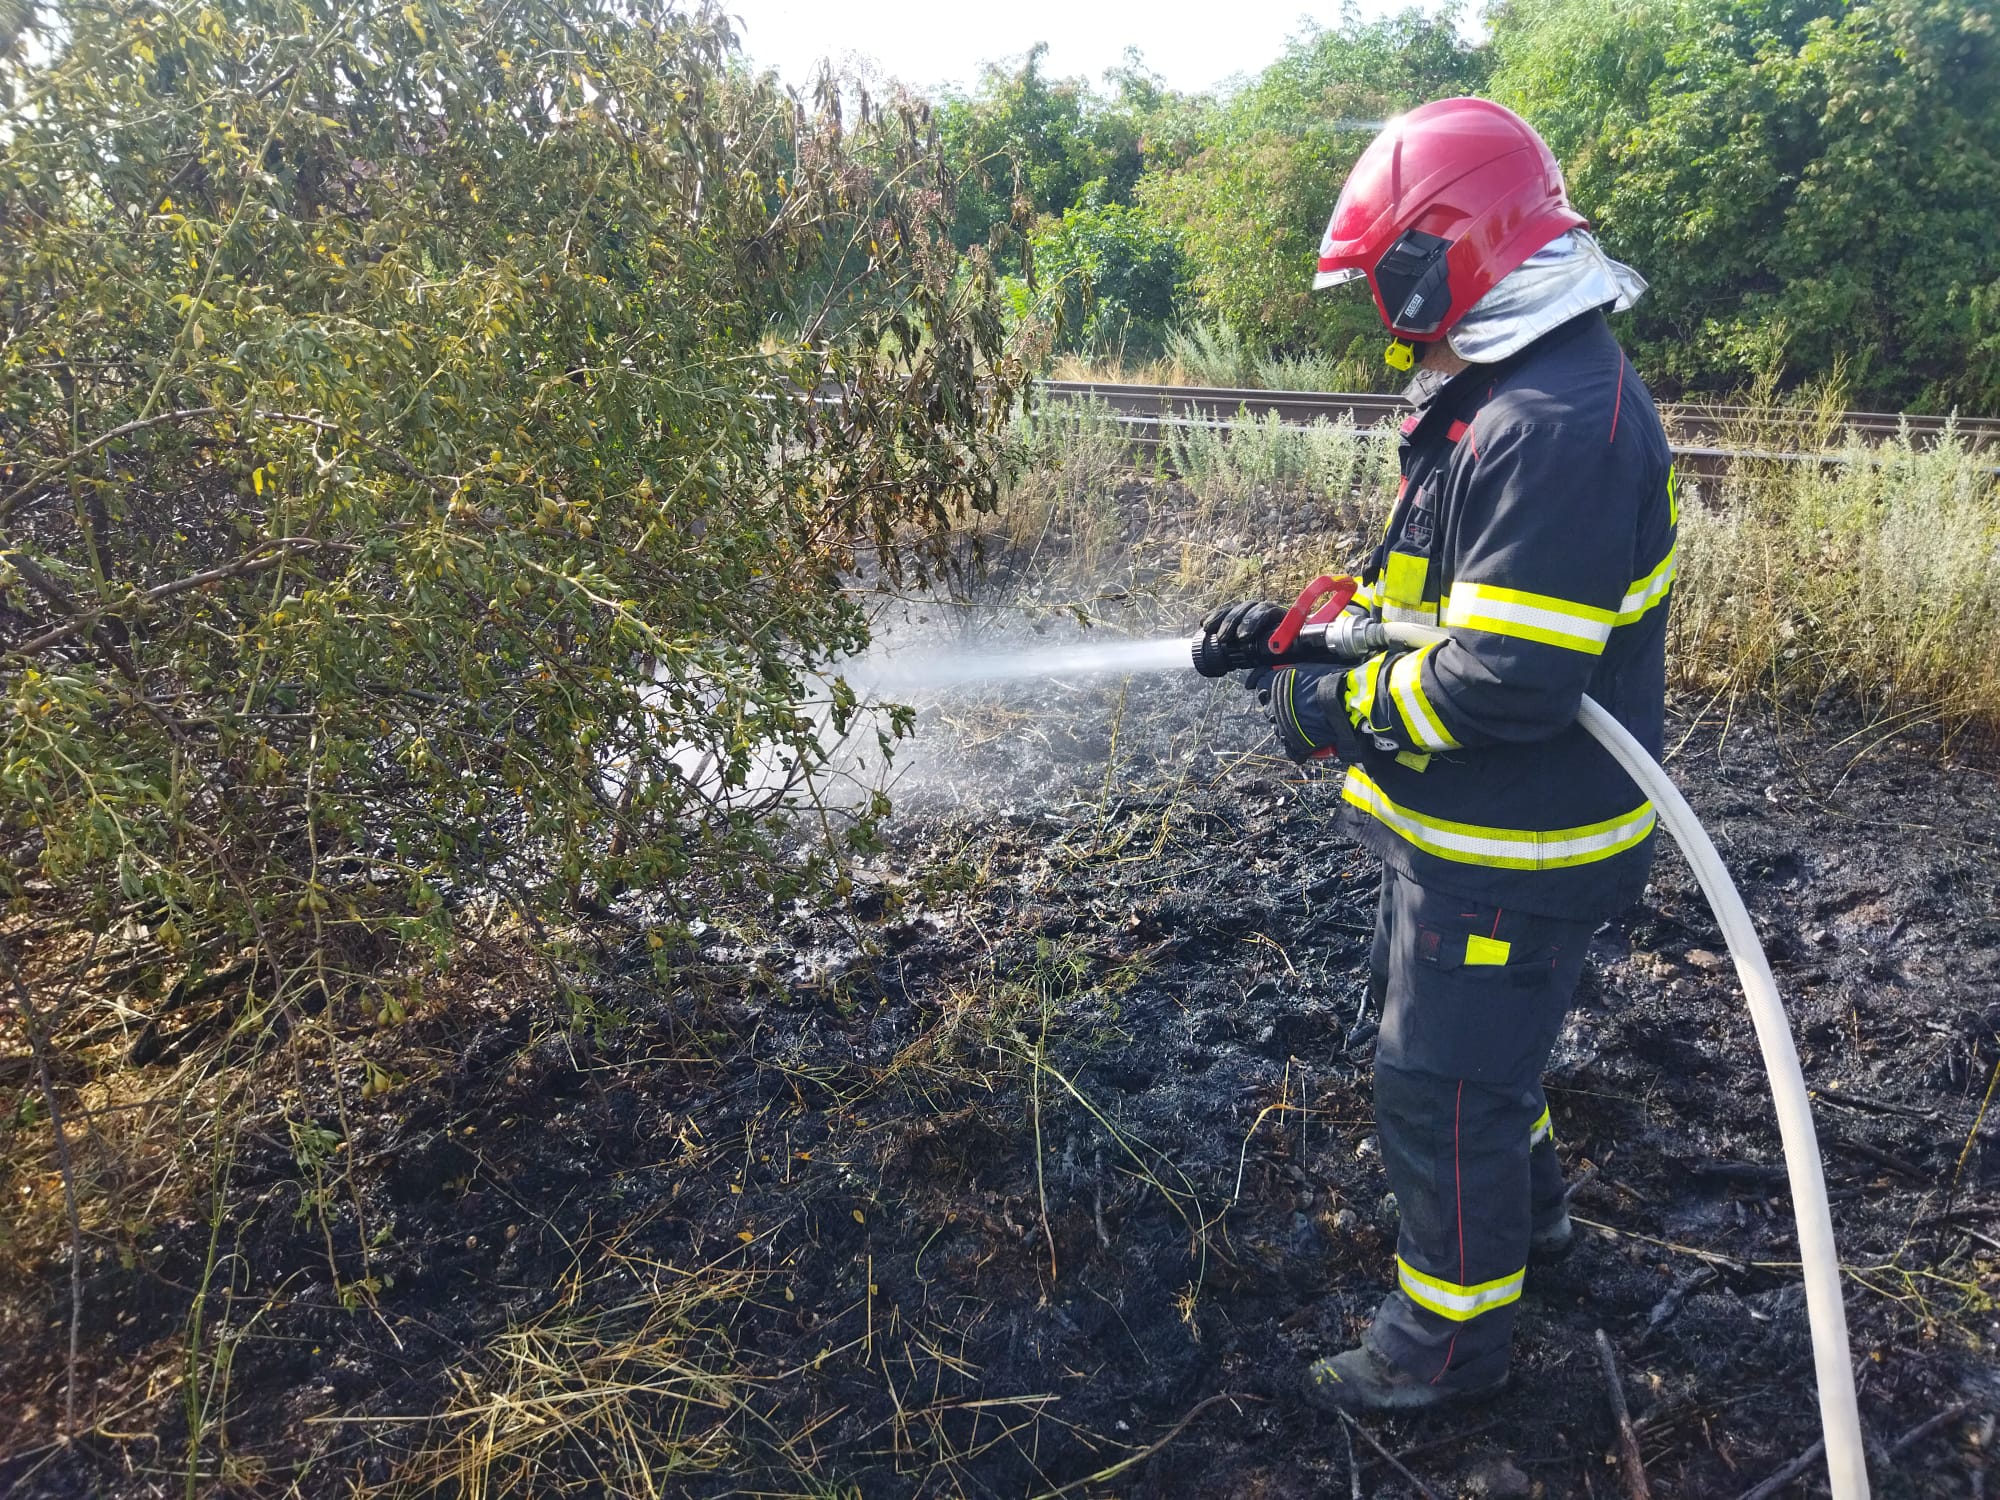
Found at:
(927, 43)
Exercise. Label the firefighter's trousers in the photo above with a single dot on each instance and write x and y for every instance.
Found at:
(1471, 998)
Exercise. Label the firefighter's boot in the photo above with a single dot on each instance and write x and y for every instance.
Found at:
(1362, 1381)
(1552, 1241)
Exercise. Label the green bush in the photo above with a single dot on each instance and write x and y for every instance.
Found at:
(388, 395)
(1112, 274)
(1026, 145)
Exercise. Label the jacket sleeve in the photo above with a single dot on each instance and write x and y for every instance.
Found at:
(1542, 567)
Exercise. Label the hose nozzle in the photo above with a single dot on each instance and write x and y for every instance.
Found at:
(1213, 659)
(1301, 636)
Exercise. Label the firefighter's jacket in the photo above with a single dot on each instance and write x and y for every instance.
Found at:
(1536, 521)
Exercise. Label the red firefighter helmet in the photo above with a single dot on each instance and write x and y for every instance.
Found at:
(1444, 202)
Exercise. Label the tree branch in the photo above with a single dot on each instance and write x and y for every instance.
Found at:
(260, 559)
(31, 1023)
(188, 415)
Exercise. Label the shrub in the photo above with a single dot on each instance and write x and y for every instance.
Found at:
(1114, 275)
(387, 396)
(1351, 469)
(1211, 354)
(1360, 369)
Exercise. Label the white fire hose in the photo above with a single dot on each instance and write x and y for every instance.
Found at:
(1847, 1470)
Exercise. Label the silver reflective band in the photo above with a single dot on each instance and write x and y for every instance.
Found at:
(1532, 617)
(1649, 590)
(1450, 1300)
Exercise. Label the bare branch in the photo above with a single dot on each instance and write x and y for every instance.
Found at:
(38, 1044)
(188, 415)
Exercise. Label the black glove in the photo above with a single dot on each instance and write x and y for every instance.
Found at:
(1304, 707)
(1243, 630)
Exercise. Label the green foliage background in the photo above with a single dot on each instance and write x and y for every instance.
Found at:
(1806, 183)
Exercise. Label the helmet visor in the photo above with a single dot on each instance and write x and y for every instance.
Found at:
(1335, 278)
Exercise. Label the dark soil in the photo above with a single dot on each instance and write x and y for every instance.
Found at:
(1055, 1154)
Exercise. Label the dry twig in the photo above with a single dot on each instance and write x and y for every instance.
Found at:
(1151, 1448)
(32, 1025)
(1813, 1454)
(1389, 1458)
(1628, 1440)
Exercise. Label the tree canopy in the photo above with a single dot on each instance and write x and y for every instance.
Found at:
(1806, 183)
(1251, 200)
(1029, 145)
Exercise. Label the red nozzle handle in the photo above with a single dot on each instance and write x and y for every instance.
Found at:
(1308, 609)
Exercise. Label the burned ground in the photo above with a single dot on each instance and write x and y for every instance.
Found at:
(1062, 1136)
(1044, 1166)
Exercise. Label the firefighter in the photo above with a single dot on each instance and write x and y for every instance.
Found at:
(1535, 522)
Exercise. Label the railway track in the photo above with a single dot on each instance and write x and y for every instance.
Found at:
(1704, 436)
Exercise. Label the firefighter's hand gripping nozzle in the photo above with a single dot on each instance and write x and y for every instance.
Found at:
(1314, 630)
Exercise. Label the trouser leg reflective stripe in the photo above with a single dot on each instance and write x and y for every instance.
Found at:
(1458, 1098)
(1457, 1160)
(1545, 1177)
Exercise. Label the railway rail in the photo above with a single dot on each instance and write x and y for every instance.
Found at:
(1705, 436)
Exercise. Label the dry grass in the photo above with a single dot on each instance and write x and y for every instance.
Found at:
(1063, 504)
(1871, 579)
(1091, 518)
(1207, 358)
(629, 1398)
(1350, 471)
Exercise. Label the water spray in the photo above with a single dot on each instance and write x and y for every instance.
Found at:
(935, 669)
(1316, 629)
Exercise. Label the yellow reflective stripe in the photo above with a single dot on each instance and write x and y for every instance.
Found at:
(1361, 684)
(1531, 617)
(1366, 596)
(1484, 950)
(1542, 1129)
(1673, 497)
(1419, 614)
(1650, 590)
(1499, 848)
(1450, 1300)
(1406, 688)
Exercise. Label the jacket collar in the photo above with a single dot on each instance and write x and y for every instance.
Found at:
(1431, 393)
